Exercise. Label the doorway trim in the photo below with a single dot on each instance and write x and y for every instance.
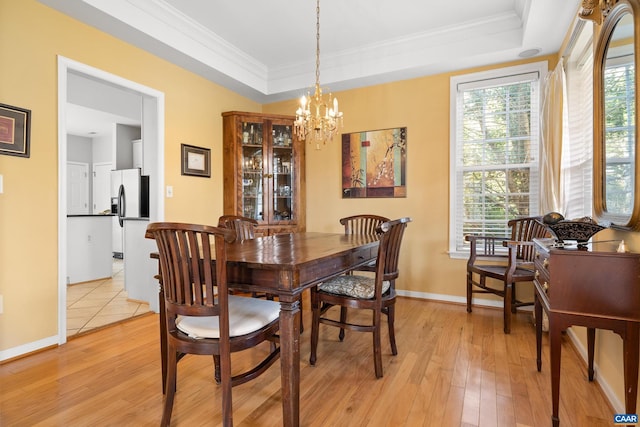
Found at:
(156, 209)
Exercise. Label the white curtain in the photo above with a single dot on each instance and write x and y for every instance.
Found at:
(553, 119)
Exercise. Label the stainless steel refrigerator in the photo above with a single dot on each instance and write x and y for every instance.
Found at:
(129, 199)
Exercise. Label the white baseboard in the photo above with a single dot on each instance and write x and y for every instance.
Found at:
(449, 298)
(28, 348)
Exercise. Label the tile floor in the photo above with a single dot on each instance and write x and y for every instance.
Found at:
(92, 305)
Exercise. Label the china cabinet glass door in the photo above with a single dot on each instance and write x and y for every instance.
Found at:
(252, 170)
(283, 173)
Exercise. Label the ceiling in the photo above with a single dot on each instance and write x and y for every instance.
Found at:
(265, 50)
(91, 123)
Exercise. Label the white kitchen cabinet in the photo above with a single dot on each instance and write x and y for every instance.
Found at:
(138, 155)
(117, 238)
(139, 268)
(88, 248)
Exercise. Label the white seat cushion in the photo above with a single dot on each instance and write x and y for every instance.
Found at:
(354, 286)
(246, 315)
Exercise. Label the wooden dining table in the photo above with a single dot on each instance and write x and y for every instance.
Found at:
(285, 265)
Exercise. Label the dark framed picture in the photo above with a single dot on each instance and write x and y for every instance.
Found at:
(15, 126)
(196, 161)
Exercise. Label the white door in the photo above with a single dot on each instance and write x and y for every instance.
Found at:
(77, 188)
(101, 187)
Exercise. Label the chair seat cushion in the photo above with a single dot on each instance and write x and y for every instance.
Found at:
(354, 286)
(246, 315)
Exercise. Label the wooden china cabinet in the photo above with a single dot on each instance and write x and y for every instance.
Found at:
(264, 175)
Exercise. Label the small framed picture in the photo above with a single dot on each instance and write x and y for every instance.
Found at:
(15, 126)
(196, 161)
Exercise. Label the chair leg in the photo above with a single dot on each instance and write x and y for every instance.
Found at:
(225, 385)
(377, 351)
(315, 324)
(216, 367)
(508, 293)
(301, 316)
(343, 320)
(170, 387)
(469, 290)
(391, 314)
(514, 299)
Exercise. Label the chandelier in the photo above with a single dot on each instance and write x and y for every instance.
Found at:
(317, 120)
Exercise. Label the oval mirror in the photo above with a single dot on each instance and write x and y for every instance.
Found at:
(615, 150)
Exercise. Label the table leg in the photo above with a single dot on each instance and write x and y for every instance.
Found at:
(555, 344)
(290, 362)
(538, 314)
(631, 354)
(591, 344)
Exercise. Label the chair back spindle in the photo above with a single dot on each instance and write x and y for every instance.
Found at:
(362, 224)
(245, 228)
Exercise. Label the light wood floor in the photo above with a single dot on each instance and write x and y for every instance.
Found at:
(453, 369)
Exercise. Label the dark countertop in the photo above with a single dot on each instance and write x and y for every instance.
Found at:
(87, 215)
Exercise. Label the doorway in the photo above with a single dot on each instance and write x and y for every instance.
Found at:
(153, 137)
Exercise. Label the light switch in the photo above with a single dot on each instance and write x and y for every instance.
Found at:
(169, 191)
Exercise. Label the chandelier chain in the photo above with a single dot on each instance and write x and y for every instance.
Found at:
(318, 43)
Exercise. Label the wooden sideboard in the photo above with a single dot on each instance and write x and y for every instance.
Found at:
(597, 289)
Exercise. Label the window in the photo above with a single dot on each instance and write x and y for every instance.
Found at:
(494, 150)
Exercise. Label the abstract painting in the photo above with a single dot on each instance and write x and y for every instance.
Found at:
(374, 163)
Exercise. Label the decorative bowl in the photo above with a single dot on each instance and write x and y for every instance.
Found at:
(581, 231)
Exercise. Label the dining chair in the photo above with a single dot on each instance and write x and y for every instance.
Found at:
(507, 260)
(360, 224)
(245, 228)
(201, 317)
(376, 293)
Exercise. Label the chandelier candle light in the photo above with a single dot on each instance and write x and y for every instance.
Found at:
(317, 120)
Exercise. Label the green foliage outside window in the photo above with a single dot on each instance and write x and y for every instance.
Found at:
(619, 107)
(496, 157)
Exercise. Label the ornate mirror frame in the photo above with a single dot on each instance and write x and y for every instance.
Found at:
(608, 13)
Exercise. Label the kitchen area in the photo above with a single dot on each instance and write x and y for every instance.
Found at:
(112, 187)
(107, 212)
